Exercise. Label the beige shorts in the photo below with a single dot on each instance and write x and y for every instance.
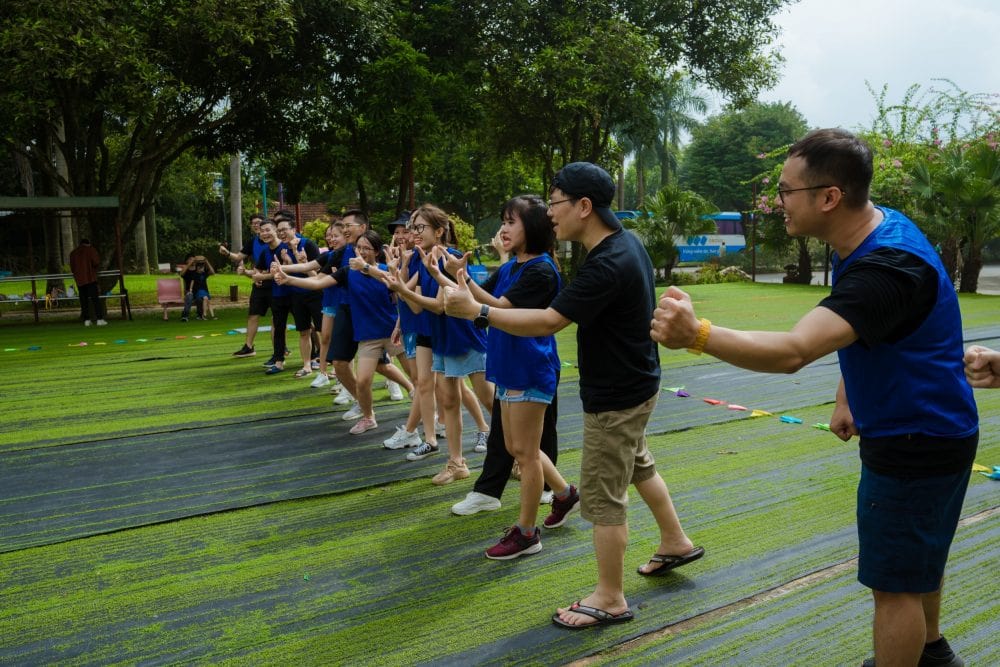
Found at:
(614, 456)
(372, 349)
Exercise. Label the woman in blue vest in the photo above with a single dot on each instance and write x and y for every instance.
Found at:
(524, 369)
(374, 317)
(457, 347)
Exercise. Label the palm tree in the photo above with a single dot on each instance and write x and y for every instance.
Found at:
(961, 193)
(678, 101)
(673, 213)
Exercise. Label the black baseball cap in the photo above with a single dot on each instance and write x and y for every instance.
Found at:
(402, 221)
(586, 179)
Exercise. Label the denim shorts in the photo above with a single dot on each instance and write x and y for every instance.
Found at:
(459, 366)
(410, 344)
(329, 311)
(529, 395)
(905, 528)
(202, 294)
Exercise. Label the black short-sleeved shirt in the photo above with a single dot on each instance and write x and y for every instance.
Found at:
(247, 249)
(535, 287)
(885, 296)
(330, 261)
(611, 299)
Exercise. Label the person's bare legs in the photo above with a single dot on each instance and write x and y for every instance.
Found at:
(522, 432)
(426, 392)
(391, 372)
(931, 603)
(471, 403)
(449, 402)
(346, 376)
(305, 349)
(253, 323)
(366, 371)
(673, 540)
(325, 334)
(899, 629)
(609, 547)
(484, 390)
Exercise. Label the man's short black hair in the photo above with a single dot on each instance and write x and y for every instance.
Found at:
(836, 157)
(358, 214)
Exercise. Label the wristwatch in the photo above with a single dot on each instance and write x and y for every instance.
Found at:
(482, 319)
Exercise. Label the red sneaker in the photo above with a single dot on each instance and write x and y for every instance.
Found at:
(514, 544)
(561, 509)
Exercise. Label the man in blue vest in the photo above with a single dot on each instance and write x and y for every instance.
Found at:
(260, 298)
(893, 318)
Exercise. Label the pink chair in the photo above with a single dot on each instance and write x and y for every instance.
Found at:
(169, 293)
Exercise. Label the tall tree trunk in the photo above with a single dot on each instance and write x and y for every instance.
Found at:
(362, 195)
(640, 180)
(805, 262)
(970, 269)
(152, 240)
(141, 252)
(949, 257)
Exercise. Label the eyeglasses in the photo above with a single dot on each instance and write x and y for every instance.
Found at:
(352, 224)
(418, 229)
(782, 193)
(558, 201)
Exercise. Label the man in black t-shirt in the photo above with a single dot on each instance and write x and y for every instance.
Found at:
(611, 299)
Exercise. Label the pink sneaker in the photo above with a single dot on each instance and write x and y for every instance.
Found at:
(514, 544)
(561, 509)
(362, 425)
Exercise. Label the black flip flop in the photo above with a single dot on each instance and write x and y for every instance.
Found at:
(601, 617)
(670, 562)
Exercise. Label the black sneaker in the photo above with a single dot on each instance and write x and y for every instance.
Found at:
(244, 352)
(270, 362)
(422, 452)
(561, 509)
(936, 654)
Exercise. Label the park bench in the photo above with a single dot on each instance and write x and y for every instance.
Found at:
(40, 299)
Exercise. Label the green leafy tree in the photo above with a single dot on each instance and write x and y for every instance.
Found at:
(723, 156)
(119, 91)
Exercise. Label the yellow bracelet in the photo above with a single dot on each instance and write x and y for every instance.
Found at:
(702, 337)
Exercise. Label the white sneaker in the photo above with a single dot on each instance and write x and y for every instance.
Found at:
(102, 323)
(321, 380)
(352, 414)
(546, 498)
(395, 391)
(475, 502)
(481, 437)
(343, 398)
(402, 438)
(86, 323)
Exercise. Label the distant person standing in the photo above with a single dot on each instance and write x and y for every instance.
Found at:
(84, 262)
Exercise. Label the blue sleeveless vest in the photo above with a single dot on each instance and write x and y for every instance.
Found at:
(915, 385)
(521, 362)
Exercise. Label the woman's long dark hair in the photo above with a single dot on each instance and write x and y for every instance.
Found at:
(539, 235)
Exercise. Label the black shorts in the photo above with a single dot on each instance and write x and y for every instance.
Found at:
(307, 309)
(260, 301)
(424, 341)
(343, 347)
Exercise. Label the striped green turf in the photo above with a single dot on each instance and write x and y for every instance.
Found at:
(384, 575)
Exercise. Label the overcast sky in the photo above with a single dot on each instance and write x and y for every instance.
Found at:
(831, 47)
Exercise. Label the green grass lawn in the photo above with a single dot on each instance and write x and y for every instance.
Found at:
(384, 575)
